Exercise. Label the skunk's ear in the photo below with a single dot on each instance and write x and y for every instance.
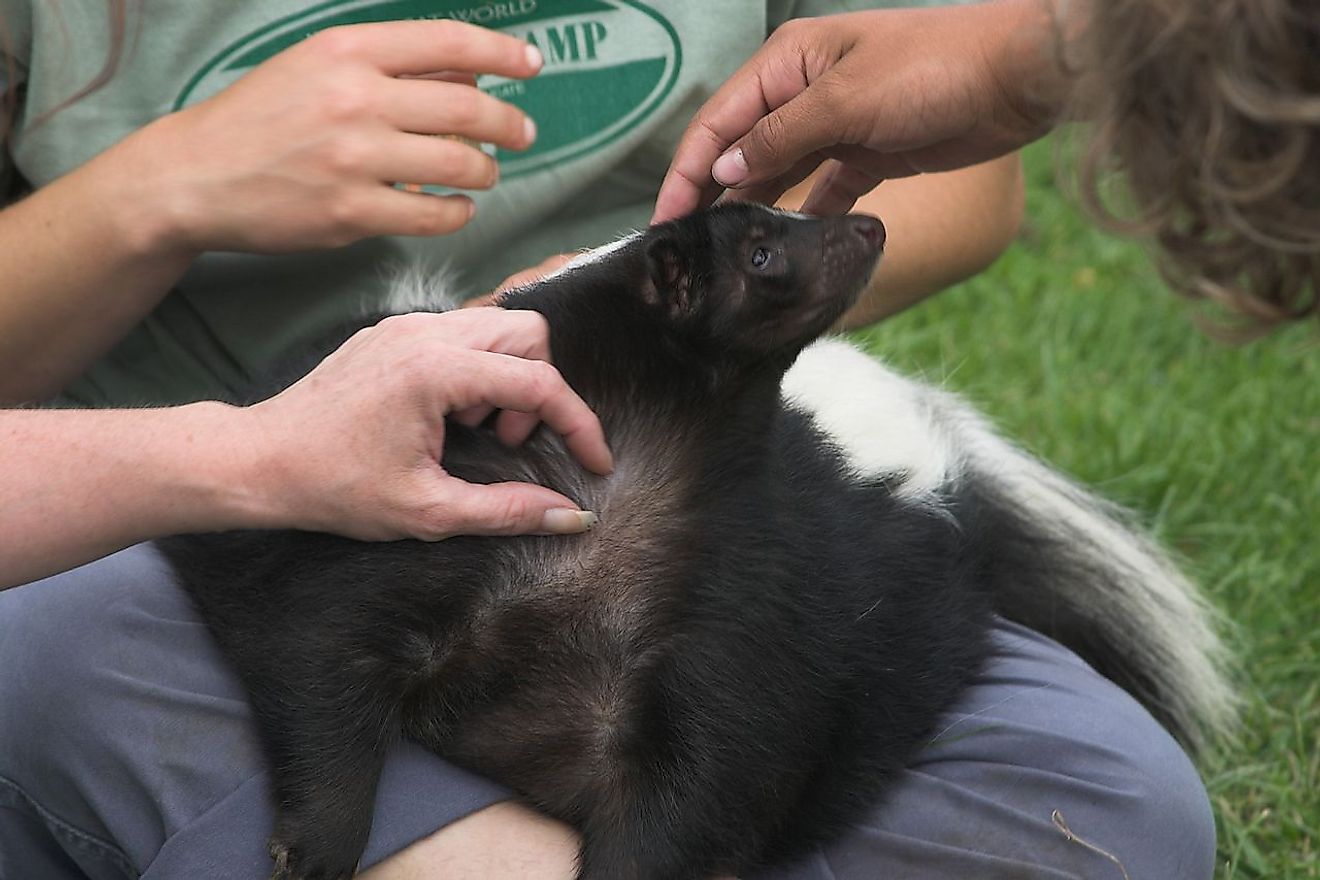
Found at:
(670, 269)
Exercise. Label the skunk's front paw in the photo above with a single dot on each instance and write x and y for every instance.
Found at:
(296, 862)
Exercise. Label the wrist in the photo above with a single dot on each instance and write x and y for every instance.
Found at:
(1028, 60)
(225, 469)
(153, 212)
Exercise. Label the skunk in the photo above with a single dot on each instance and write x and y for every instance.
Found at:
(792, 577)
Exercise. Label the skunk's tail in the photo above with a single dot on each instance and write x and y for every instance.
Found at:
(1062, 561)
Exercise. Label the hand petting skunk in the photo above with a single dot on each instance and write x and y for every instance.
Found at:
(791, 579)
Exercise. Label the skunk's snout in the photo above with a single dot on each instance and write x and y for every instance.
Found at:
(869, 229)
(853, 243)
(861, 236)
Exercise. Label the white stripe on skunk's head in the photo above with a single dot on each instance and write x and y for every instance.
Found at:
(595, 255)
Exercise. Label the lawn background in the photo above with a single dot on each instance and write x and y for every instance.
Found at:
(1075, 348)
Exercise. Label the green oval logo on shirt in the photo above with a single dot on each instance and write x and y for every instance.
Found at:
(608, 63)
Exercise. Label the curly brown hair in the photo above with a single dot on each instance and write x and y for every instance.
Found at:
(1210, 112)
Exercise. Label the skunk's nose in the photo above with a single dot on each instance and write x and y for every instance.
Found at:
(870, 229)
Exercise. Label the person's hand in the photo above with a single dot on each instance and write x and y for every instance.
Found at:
(887, 93)
(303, 152)
(522, 278)
(355, 447)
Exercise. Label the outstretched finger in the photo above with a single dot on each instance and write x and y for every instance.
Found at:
(463, 508)
(415, 48)
(421, 106)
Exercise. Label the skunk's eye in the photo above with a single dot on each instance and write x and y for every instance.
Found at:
(761, 257)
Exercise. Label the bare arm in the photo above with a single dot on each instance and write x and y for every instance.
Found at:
(85, 260)
(301, 153)
(79, 485)
(353, 448)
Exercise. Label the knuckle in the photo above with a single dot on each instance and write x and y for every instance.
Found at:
(436, 217)
(791, 30)
(413, 374)
(485, 171)
(533, 323)
(407, 325)
(345, 216)
(338, 43)
(794, 36)
(510, 514)
(433, 523)
(393, 325)
(448, 36)
(833, 91)
(468, 167)
(769, 138)
(461, 38)
(427, 222)
(542, 378)
(347, 155)
(464, 109)
(515, 125)
(346, 100)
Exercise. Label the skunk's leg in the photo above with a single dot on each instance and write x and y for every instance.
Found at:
(326, 751)
(671, 826)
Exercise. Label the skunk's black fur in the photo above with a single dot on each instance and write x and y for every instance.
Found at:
(732, 665)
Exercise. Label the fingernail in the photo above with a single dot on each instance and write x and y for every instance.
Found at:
(529, 130)
(534, 57)
(567, 521)
(730, 169)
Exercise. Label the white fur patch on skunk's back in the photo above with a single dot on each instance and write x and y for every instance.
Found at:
(924, 442)
(415, 288)
(880, 421)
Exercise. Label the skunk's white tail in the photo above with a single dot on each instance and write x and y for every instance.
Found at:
(1063, 561)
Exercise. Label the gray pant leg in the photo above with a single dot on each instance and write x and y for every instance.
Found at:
(127, 748)
(1039, 731)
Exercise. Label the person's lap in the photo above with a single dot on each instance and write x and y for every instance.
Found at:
(126, 749)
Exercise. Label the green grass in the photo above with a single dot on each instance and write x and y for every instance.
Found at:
(1073, 345)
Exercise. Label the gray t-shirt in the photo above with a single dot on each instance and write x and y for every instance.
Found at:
(621, 81)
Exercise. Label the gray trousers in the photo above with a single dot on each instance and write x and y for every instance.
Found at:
(127, 750)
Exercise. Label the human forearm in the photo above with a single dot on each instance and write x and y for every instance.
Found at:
(76, 485)
(85, 259)
(353, 448)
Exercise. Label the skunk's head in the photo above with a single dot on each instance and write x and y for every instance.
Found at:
(758, 280)
(696, 301)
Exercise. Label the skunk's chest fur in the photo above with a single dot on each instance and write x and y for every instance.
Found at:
(732, 597)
